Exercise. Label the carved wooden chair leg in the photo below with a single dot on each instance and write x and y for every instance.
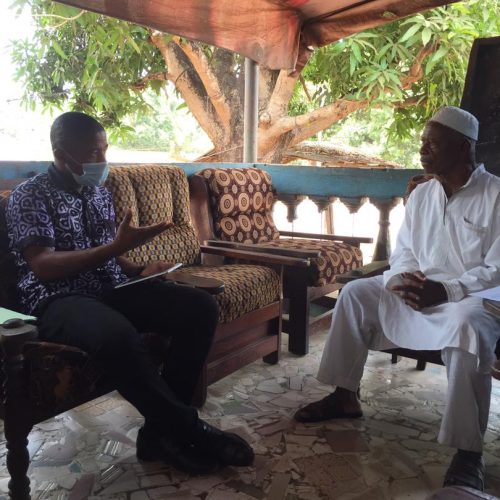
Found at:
(298, 330)
(18, 414)
(421, 364)
(18, 459)
(272, 359)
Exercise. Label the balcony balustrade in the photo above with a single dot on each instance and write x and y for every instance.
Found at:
(384, 188)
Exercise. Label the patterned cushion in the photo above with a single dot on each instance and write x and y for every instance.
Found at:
(246, 287)
(241, 200)
(336, 257)
(155, 193)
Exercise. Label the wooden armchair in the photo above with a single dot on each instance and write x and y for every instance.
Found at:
(41, 379)
(238, 215)
(250, 305)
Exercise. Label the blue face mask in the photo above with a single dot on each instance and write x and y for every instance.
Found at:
(94, 174)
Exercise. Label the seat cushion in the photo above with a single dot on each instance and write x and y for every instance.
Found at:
(246, 287)
(335, 258)
(241, 201)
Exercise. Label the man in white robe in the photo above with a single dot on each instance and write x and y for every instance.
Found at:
(448, 247)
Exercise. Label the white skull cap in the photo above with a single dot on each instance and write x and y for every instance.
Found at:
(458, 119)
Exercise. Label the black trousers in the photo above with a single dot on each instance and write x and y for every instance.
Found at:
(108, 329)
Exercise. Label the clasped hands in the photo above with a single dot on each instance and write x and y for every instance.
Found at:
(419, 292)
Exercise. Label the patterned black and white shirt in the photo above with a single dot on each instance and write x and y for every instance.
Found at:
(44, 212)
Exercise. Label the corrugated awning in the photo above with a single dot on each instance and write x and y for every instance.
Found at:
(278, 34)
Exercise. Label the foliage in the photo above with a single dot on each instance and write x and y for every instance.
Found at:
(93, 63)
(371, 64)
(168, 127)
(84, 62)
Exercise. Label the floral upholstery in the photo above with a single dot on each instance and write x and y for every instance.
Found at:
(335, 257)
(246, 287)
(241, 200)
(156, 193)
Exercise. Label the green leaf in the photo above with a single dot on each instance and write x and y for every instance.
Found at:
(58, 49)
(410, 32)
(357, 53)
(426, 35)
(134, 45)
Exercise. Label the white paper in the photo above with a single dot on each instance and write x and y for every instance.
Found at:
(490, 293)
(6, 314)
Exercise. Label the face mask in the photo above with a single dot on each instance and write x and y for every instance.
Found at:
(94, 174)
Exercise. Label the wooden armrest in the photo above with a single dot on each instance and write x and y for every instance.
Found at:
(211, 285)
(492, 306)
(257, 247)
(16, 332)
(372, 269)
(265, 258)
(355, 240)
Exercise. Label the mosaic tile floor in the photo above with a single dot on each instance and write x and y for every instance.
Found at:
(391, 453)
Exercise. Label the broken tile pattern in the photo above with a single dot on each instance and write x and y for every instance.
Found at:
(390, 453)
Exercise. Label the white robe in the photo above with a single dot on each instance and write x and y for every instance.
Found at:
(455, 241)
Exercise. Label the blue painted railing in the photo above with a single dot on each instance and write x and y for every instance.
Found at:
(293, 183)
(287, 179)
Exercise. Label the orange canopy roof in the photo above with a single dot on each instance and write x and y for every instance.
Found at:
(278, 34)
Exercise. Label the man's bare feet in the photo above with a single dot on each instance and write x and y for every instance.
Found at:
(340, 404)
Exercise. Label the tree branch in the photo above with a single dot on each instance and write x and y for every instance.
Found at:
(198, 103)
(267, 82)
(280, 98)
(142, 83)
(309, 124)
(416, 71)
(212, 85)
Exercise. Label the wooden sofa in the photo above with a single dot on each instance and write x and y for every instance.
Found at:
(42, 379)
(239, 215)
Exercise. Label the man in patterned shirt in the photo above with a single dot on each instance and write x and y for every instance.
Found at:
(70, 256)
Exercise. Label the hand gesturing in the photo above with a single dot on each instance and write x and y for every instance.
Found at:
(129, 237)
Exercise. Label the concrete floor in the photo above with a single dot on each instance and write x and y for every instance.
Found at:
(390, 453)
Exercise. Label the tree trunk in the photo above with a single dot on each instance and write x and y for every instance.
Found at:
(213, 89)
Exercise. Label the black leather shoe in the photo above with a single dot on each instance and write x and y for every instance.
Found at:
(226, 447)
(184, 457)
(466, 470)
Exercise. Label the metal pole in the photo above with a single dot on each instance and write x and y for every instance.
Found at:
(251, 111)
